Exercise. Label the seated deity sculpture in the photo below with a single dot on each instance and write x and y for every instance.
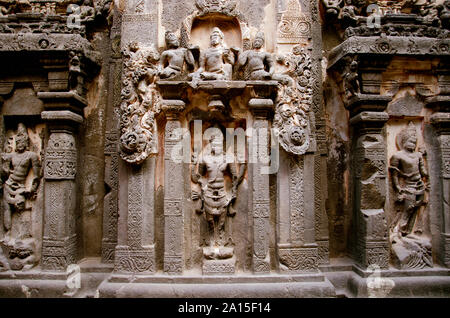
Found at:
(260, 64)
(216, 63)
(174, 58)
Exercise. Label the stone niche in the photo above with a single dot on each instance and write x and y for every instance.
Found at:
(219, 155)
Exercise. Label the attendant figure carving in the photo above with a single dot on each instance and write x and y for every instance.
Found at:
(174, 59)
(260, 64)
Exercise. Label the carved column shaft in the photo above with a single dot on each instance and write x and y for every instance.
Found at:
(173, 191)
(370, 162)
(59, 247)
(259, 147)
(442, 123)
(136, 251)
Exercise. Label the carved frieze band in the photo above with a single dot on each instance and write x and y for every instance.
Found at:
(58, 254)
(60, 157)
(134, 260)
(389, 46)
(298, 259)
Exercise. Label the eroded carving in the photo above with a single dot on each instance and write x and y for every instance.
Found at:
(174, 58)
(140, 103)
(294, 101)
(216, 63)
(208, 172)
(18, 244)
(260, 64)
(410, 248)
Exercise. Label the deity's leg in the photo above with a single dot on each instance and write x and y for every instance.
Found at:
(221, 227)
(211, 228)
(7, 216)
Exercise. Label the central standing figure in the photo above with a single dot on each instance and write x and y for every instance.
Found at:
(216, 203)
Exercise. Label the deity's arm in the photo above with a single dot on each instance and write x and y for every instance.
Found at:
(229, 57)
(242, 60)
(202, 63)
(394, 167)
(270, 63)
(163, 60)
(423, 169)
(5, 168)
(189, 58)
(36, 166)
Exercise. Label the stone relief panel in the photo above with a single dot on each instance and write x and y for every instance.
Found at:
(409, 235)
(20, 179)
(291, 119)
(295, 26)
(214, 198)
(140, 103)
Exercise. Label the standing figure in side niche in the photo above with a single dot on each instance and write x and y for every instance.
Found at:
(260, 64)
(216, 63)
(351, 80)
(16, 167)
(409, 250)
(216, 202)
(408, 171)
(173, 59)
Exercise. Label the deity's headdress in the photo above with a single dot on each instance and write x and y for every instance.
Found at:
(22, 134)
(260, 35)
(405, 134)
(216, 30)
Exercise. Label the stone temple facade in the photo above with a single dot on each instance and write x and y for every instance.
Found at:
(225, 148)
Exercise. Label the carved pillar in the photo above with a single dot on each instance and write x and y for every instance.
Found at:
(112, 158)
(370, 173)
(59, 247)
(442, 123)
(297, 248)
(258, 147)
(173, 191)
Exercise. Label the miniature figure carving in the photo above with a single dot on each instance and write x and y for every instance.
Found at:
(174, 58)
(333, 7)
(407, 166)
(351, 80)
(216, 203)
(349, 13)
(216, 63)
(260, 64)
(430, 12)
(19, 247)
(87, 11)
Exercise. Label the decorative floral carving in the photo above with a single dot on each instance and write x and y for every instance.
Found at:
(294, 25)
(294, 102)
(213, 6)
(140, 103)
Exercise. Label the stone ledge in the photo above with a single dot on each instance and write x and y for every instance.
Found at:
(219, 290)
(396, 45)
